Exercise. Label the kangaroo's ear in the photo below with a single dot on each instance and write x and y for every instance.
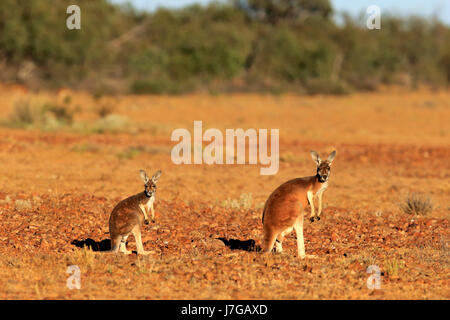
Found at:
(315, 157)
(331, 156)
(144, 176)
(156, 176)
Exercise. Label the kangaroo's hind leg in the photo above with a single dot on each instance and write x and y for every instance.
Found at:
(268, 241)
(279, 243)
(298, 226)
(123, 245)
(137, 236)
(280, 238)
(115, 243)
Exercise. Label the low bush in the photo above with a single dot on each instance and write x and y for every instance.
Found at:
(417, 204)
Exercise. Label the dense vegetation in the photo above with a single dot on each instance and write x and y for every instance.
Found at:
(240, 45)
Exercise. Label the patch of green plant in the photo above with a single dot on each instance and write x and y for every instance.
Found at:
(266, 45)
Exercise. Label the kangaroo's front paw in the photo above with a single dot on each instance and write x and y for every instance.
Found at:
(318, 218)
(311, 219)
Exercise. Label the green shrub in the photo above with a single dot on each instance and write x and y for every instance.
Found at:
(327, 86)
(151, 86)
(263, 45)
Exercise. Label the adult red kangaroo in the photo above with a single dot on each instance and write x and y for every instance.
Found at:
(284, 209)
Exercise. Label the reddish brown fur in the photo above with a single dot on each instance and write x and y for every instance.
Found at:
(284, 209)
(285, 206)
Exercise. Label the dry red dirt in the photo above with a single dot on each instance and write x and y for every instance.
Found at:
(58, 187)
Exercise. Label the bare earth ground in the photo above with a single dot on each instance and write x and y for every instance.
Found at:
(57, 189)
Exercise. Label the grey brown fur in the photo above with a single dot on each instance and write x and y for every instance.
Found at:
(130, 214)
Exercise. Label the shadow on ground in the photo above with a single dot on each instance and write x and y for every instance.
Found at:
(104, 245)
(245, 245)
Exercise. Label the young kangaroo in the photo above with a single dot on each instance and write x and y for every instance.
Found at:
(129, 214)
(284, 209)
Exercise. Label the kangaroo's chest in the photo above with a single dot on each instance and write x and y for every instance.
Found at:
(314, 192)
(322, 188)
(147, 205)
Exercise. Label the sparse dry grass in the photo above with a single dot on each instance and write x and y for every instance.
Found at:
(244, 202)
(41, 116)
(417, 204)
(392, 267)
